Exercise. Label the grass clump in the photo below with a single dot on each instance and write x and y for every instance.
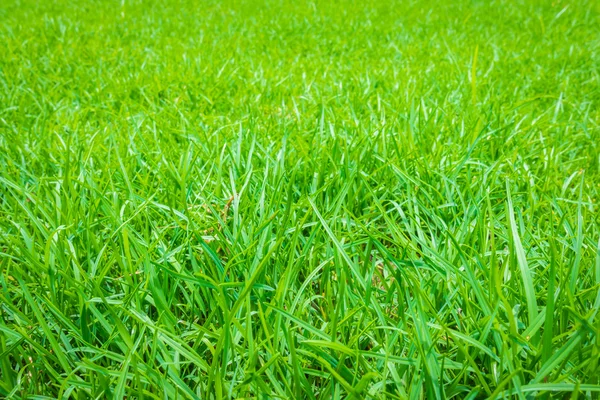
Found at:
(299, 199)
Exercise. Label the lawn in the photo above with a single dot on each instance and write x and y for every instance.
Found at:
(299, 199)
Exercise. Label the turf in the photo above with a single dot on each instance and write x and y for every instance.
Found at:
(309, 200)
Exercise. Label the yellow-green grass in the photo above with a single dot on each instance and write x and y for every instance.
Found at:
(299, 200)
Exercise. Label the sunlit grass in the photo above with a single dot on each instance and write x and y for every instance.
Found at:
(321, 200)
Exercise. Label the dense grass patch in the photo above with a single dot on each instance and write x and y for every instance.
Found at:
(299, 199)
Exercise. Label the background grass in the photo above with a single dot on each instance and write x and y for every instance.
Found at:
(314, 200)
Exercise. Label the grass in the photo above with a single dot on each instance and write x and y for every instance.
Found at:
(320, 200)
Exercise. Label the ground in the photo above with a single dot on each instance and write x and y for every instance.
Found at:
(293, 199)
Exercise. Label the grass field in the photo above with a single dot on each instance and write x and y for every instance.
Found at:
(299, 200)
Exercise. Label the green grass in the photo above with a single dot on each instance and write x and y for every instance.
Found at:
(309, 200)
